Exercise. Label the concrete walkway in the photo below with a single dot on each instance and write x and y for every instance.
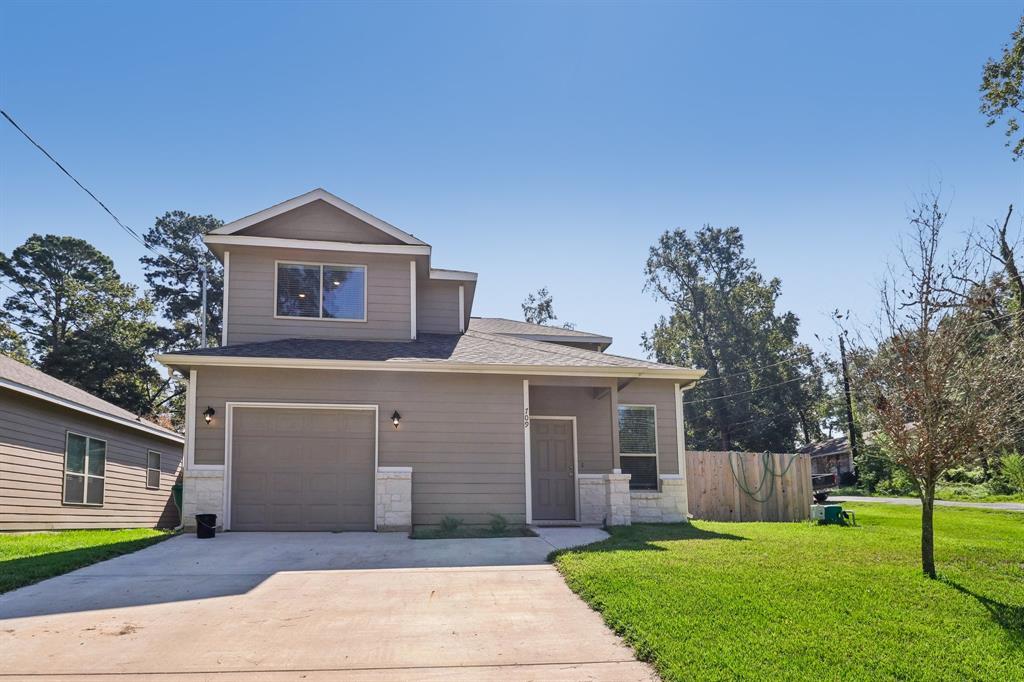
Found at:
(316, 606)
(914, 502)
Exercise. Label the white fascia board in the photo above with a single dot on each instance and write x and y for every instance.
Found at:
(316, 245)
(71, 405)
(676, 373)
(309, 197)
(457, 275)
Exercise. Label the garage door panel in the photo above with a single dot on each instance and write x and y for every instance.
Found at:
(302, 469)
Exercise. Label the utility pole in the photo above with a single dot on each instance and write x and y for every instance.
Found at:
(203, 285)
(850, 428)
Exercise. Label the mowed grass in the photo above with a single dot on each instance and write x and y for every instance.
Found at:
(27, 558)
(800, 601)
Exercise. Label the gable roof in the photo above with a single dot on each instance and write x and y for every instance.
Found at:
(536, 332)
(832, 446)
(30, 381)
(471, 352)
(318, 194)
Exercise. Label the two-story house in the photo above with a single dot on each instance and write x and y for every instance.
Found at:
(354, 390)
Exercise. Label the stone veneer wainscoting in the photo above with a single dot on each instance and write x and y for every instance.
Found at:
(604, 499)
(667, 505)
(393, 504)
(203, 493)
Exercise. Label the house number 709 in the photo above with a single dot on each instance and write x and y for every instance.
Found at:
(526, 418)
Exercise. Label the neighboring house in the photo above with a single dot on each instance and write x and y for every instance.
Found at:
(831, 456)
(354, 391)
(71, 460)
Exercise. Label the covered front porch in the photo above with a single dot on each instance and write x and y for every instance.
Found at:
(603, 451)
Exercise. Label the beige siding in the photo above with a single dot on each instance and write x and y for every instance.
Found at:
(32, 441)
(462, 434)
(593, 412)
(252, 305)
(321, 221)
(662, 395)
(437, 306)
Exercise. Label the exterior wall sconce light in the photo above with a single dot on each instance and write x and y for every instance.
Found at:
(396, 418)
(208, 414)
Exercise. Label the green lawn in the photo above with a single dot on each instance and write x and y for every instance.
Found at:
(30, 557)
(801, 601)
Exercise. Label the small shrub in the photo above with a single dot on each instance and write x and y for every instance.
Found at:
(1012, 468)
(898, 484)
(499, 524)
(450, 524)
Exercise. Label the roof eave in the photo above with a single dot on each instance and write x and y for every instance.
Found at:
(309, 197)
(681, 374)
(78, 407)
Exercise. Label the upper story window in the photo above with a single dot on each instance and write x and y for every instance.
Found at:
(321, 291)
(638, 445)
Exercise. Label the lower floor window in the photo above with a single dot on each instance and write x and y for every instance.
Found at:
(643, 471)
(152, 469)
(85, 463)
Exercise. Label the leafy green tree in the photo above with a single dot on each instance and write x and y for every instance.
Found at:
(539, 308)
(1002, 90)
(108, 353)
(12, 345)
(724, 319)
(175, 283)
(52, 276)
(83, 324)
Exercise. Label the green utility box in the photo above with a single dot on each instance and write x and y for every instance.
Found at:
(830, 513)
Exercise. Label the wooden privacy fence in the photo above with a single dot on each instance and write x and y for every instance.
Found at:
(748, 486)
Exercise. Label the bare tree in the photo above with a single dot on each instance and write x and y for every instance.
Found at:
(943, 387)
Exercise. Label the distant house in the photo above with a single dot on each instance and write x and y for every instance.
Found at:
(831, 456)
(71, 460)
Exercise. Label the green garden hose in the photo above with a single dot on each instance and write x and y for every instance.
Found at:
(767, 477)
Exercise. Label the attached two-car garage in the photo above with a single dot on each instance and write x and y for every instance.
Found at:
(308, 468)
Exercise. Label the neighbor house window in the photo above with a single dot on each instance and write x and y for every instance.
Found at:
(638, 445)
(321, 291)
(85, 463)
(152, 469)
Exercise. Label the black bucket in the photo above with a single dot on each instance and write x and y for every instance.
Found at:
(206, 525)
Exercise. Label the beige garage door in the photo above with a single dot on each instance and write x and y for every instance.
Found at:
(302, 469)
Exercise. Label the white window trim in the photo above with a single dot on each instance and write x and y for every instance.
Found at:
(229, 409)
(575, 464)
(657, 445)
(158, 470)
(320, 308)
(85, 472)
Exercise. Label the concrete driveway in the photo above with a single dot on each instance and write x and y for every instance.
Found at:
(316, 606)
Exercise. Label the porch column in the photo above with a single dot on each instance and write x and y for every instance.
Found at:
(613, 400)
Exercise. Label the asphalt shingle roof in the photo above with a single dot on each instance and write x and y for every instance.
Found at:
(36, 381)
(833, 446)
(500, 325)
(473, 347)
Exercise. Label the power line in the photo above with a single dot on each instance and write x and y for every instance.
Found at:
(130, 231)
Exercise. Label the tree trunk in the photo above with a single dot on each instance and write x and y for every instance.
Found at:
(927, 534)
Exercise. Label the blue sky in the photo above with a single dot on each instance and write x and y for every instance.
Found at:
(539, 144)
